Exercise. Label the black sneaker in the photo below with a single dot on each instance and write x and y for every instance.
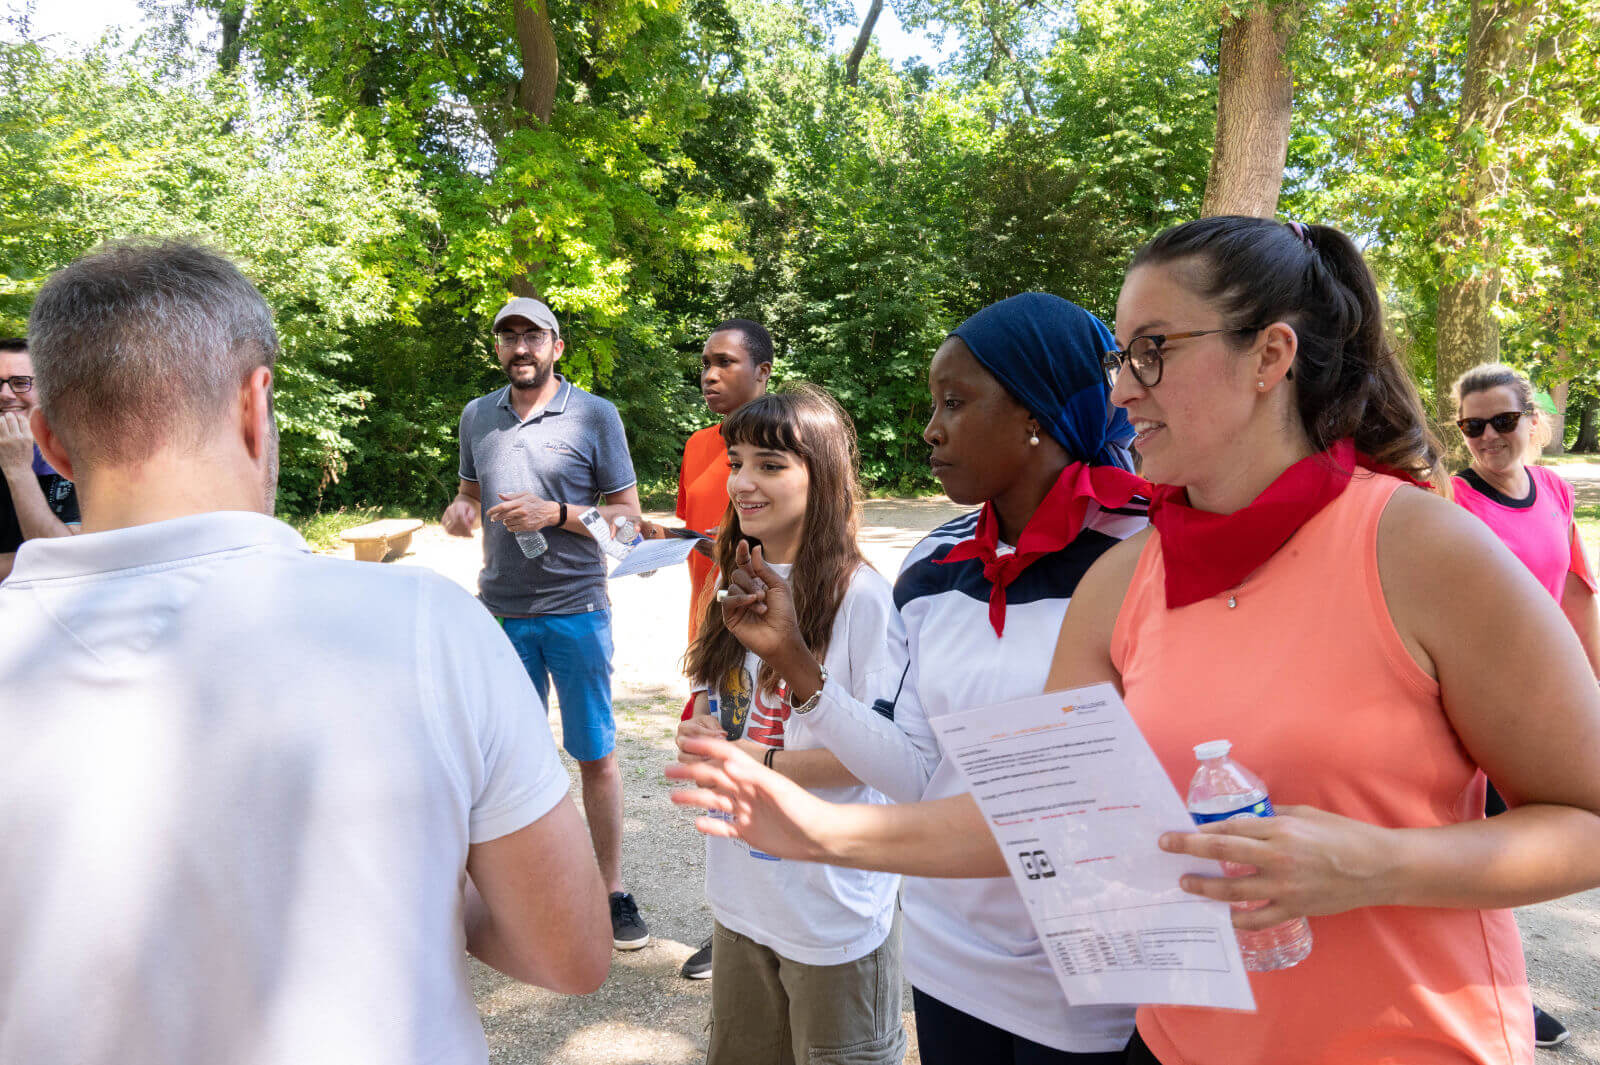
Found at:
(628, 931)
(698, 965)
(1547, 1031)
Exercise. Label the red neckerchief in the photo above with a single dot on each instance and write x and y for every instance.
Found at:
(1206, 554)
(1053, 526)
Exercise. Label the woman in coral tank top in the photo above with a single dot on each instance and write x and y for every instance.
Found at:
(1297, 597)
(1363, 643)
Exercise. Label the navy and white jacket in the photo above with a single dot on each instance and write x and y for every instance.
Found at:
(970, 943)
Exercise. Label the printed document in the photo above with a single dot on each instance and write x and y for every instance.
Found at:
(648, 555)
(1077, 799)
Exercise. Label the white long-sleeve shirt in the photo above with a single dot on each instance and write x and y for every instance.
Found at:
(970, 943)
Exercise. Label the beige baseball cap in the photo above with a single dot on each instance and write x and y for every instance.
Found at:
(531, 309)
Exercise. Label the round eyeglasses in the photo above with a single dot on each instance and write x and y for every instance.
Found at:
(1143, 355)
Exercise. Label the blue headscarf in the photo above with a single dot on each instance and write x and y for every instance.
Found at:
(1047, 353)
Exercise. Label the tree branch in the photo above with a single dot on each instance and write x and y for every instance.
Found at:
(852, 65)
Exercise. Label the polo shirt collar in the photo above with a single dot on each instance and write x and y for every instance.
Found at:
(160, 543)
(557, 405)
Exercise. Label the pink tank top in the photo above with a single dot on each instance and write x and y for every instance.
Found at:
(1309, 679)
(1538, 531)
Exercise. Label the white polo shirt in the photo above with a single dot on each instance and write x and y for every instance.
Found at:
(237, 787)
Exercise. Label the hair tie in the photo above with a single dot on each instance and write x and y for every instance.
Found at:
(1299, 229)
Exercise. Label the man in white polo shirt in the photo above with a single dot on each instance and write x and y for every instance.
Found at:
(255, 805)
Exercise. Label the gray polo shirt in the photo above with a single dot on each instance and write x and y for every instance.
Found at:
(573, 451)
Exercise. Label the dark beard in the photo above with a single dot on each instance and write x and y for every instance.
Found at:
(541, 377)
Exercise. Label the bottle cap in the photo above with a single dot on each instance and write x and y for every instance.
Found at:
(1212, 749)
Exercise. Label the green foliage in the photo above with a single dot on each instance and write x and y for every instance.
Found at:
(898, 207)
(1379, 148)
(604, 212)
(704, 159)
(322, 221)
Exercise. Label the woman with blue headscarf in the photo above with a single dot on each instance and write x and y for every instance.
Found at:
(1023, 428)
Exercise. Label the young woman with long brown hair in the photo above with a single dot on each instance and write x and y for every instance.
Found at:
(805, 957)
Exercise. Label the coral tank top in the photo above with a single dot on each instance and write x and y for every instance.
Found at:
(1308, 677)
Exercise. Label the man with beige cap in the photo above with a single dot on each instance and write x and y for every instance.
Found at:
(536, 456)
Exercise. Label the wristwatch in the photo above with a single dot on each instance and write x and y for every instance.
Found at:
(816, 696)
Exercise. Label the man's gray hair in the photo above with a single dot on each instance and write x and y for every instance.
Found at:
(144, 344)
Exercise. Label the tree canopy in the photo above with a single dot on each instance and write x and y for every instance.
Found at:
(390, 174)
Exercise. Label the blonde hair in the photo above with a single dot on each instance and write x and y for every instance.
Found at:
(1489, 375)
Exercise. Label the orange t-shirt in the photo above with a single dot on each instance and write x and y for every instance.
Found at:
(702, 502)
(1310, 680)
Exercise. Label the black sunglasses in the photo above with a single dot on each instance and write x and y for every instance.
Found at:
(1504, 423)
(1144, 357)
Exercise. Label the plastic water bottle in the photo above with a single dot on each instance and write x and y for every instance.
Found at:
(627, 532)
(627, 535)
(532, 542)
(1223, 789)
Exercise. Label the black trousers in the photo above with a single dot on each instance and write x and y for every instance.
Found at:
(1139, 1054)
(947, 1036)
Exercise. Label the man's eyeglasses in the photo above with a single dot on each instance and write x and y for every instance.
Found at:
(19, 385)
(509, 339)
(1143, 354)
(1504, 423)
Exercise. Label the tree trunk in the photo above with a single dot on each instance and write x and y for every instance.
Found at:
(1558, 422)
(535, 102)
(1588, 441)
(1255, 101)
(536, 93)
(231, 17)
(852, 65)
(1467, 331)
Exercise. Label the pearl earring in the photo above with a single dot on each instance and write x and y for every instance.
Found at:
(1033, 440)
(1260, 385)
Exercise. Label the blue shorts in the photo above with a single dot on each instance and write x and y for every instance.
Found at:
(575, 650)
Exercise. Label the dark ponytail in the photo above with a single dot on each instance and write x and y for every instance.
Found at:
(1347, 379)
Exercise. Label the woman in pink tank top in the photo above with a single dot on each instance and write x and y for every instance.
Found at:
(1359, 640)
(1529, 507)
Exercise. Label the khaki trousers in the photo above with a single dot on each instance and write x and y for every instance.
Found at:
(768, 1010)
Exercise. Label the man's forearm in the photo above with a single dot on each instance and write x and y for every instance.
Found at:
(34, 515)
(609, 511)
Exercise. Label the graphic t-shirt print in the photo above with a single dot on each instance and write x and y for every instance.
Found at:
(752, 713)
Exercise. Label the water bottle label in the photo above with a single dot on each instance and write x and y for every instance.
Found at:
(1259, 809)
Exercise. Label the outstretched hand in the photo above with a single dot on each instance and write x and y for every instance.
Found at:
(746, 801)
(1308, 862)
(759, 608)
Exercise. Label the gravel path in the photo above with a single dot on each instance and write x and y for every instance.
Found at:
(646, 1014)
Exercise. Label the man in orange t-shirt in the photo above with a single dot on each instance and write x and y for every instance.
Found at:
(734, 367)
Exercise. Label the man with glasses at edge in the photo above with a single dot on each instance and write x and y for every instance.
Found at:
(35, 500)
(535, 456)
